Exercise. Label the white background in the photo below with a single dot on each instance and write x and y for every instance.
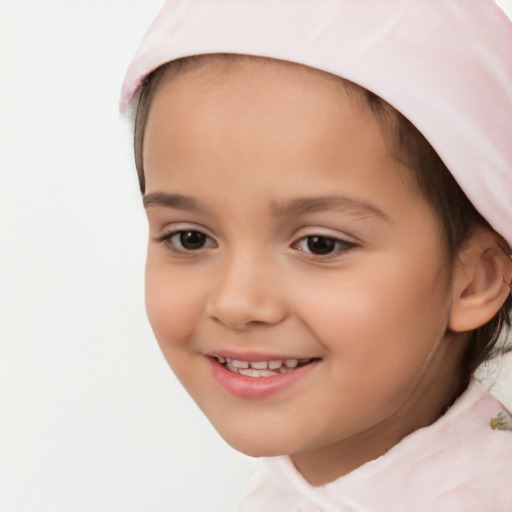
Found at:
(91, 418)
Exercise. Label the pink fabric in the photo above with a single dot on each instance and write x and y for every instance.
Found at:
(458, 464)
(447, 67)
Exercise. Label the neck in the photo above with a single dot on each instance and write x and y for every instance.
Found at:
(424, 406)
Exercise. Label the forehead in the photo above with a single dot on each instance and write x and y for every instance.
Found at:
(259, 121)
(269, 100)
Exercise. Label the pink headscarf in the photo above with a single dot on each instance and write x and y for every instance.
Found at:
(445, 65)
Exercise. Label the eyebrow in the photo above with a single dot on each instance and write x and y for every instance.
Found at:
(293, 207)
(315, 204)
(175, 201)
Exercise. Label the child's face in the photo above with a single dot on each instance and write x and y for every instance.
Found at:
(293, 234)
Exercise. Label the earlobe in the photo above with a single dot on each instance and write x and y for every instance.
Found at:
(482, 280)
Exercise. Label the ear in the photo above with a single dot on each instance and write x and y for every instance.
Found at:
(481, 280)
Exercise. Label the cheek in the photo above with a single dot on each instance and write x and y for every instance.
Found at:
(172, 304)
(383, 316)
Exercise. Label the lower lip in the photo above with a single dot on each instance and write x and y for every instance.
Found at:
(257, 387)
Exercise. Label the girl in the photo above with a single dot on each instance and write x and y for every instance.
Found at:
(327, 186)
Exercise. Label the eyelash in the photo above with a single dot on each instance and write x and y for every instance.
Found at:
(167, 240)
(332, 245)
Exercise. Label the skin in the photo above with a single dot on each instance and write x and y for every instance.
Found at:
(249, 147)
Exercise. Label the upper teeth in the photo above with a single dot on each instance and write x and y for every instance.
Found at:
(261, 365)
(273, 364)
(239, 364)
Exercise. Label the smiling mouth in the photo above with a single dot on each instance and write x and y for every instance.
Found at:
(258, 369)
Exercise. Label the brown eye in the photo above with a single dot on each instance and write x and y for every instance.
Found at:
(321, 244)
(192, 240)
(186, 240)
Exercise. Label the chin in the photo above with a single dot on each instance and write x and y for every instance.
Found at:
(256, 444)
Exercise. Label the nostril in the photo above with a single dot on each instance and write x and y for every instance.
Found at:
(256, 323)
(245, 311)
(244, 295)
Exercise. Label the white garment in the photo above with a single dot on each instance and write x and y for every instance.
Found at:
(456, 464)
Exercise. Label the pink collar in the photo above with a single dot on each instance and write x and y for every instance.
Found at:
(458, 463)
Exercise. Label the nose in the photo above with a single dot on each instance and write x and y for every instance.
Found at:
(247, 294)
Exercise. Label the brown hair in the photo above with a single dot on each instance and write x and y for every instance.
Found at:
(456, 213)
